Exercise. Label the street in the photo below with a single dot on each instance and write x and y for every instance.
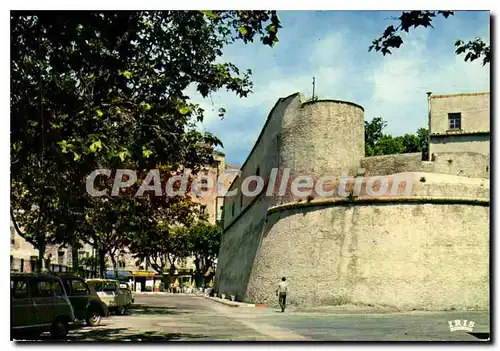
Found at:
(195, 318)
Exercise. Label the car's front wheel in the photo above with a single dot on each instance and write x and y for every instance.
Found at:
(93, 318)
(59, 328)
(120, 310)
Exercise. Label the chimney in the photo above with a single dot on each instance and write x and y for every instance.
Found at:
(429, 93)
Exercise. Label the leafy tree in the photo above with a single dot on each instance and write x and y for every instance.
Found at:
(473, 50)
(388, 145)
(373, 132)
(167, 248)
(162, 239)
(205, 240)
(107, 90)
(410, 143)
(423, 139)
(391, 39)
(92, 262)
(106, 231)
(377, 143)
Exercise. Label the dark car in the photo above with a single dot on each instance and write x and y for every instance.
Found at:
(38, 304)
(86, 304)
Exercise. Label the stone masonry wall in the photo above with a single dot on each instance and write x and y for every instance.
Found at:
(239, 245)
(479, 143)
(390, 164)
(467, 164)
(293, 137)
(407, 256)
(323, 138)
(242, 230)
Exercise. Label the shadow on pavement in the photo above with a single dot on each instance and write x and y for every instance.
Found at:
(147, 310)
(120, 334)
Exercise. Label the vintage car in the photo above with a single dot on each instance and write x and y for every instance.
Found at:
(126, 289)
(109, 291)
(38, 304)
(86, 303)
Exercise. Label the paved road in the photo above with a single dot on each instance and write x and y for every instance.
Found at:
(181, 317)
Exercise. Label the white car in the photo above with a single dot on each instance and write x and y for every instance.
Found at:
(109, 291)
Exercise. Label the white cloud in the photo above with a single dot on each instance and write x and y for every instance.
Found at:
(327, 49)
(272, 82)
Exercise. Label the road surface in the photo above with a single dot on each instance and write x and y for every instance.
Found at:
(195, 318)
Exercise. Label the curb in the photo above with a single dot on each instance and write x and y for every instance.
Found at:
(234, 303)
(149, 293)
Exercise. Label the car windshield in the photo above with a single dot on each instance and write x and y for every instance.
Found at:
(104, 286)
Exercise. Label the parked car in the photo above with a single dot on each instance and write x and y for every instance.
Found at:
(38, 304)
(110, 293)
(126, 290)
(86, 304)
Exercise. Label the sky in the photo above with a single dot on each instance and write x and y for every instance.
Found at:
(333, 46)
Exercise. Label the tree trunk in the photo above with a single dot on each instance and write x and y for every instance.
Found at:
(41, 256)
(94, 260)
(172, 273)
(102, 263)
(199, 279)
(198, 274)
(115, 266)
(74, 257)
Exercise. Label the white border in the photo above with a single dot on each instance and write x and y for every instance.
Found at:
(280, 5)
(256, 4)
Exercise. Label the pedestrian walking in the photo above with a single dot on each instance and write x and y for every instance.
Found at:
(281, 292)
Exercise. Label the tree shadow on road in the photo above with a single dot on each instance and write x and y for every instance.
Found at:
(122, 335)
(147, 310)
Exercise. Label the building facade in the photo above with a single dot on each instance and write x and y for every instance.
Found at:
(58, 258)
(459, 122)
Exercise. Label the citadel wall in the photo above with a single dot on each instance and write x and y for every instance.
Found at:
(404, 255)
(467, 164)
(243, 216)
(294, 137)
(428, 249)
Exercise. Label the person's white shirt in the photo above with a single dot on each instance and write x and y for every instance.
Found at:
(282, 287)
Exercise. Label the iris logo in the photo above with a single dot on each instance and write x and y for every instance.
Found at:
(461, 324)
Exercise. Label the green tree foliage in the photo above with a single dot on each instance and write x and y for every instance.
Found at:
(377, 143)
(423, 140)
(107, 90)
(391, 38)
(373, 132)
(162, 240)
(473, 50)
(205, 241)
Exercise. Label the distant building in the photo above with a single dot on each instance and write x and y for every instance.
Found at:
(459, 123)
(24, 256)
(212, 203)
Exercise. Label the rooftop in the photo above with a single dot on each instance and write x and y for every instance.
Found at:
(458, 94)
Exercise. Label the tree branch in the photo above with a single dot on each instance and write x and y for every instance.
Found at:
(15, 223)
